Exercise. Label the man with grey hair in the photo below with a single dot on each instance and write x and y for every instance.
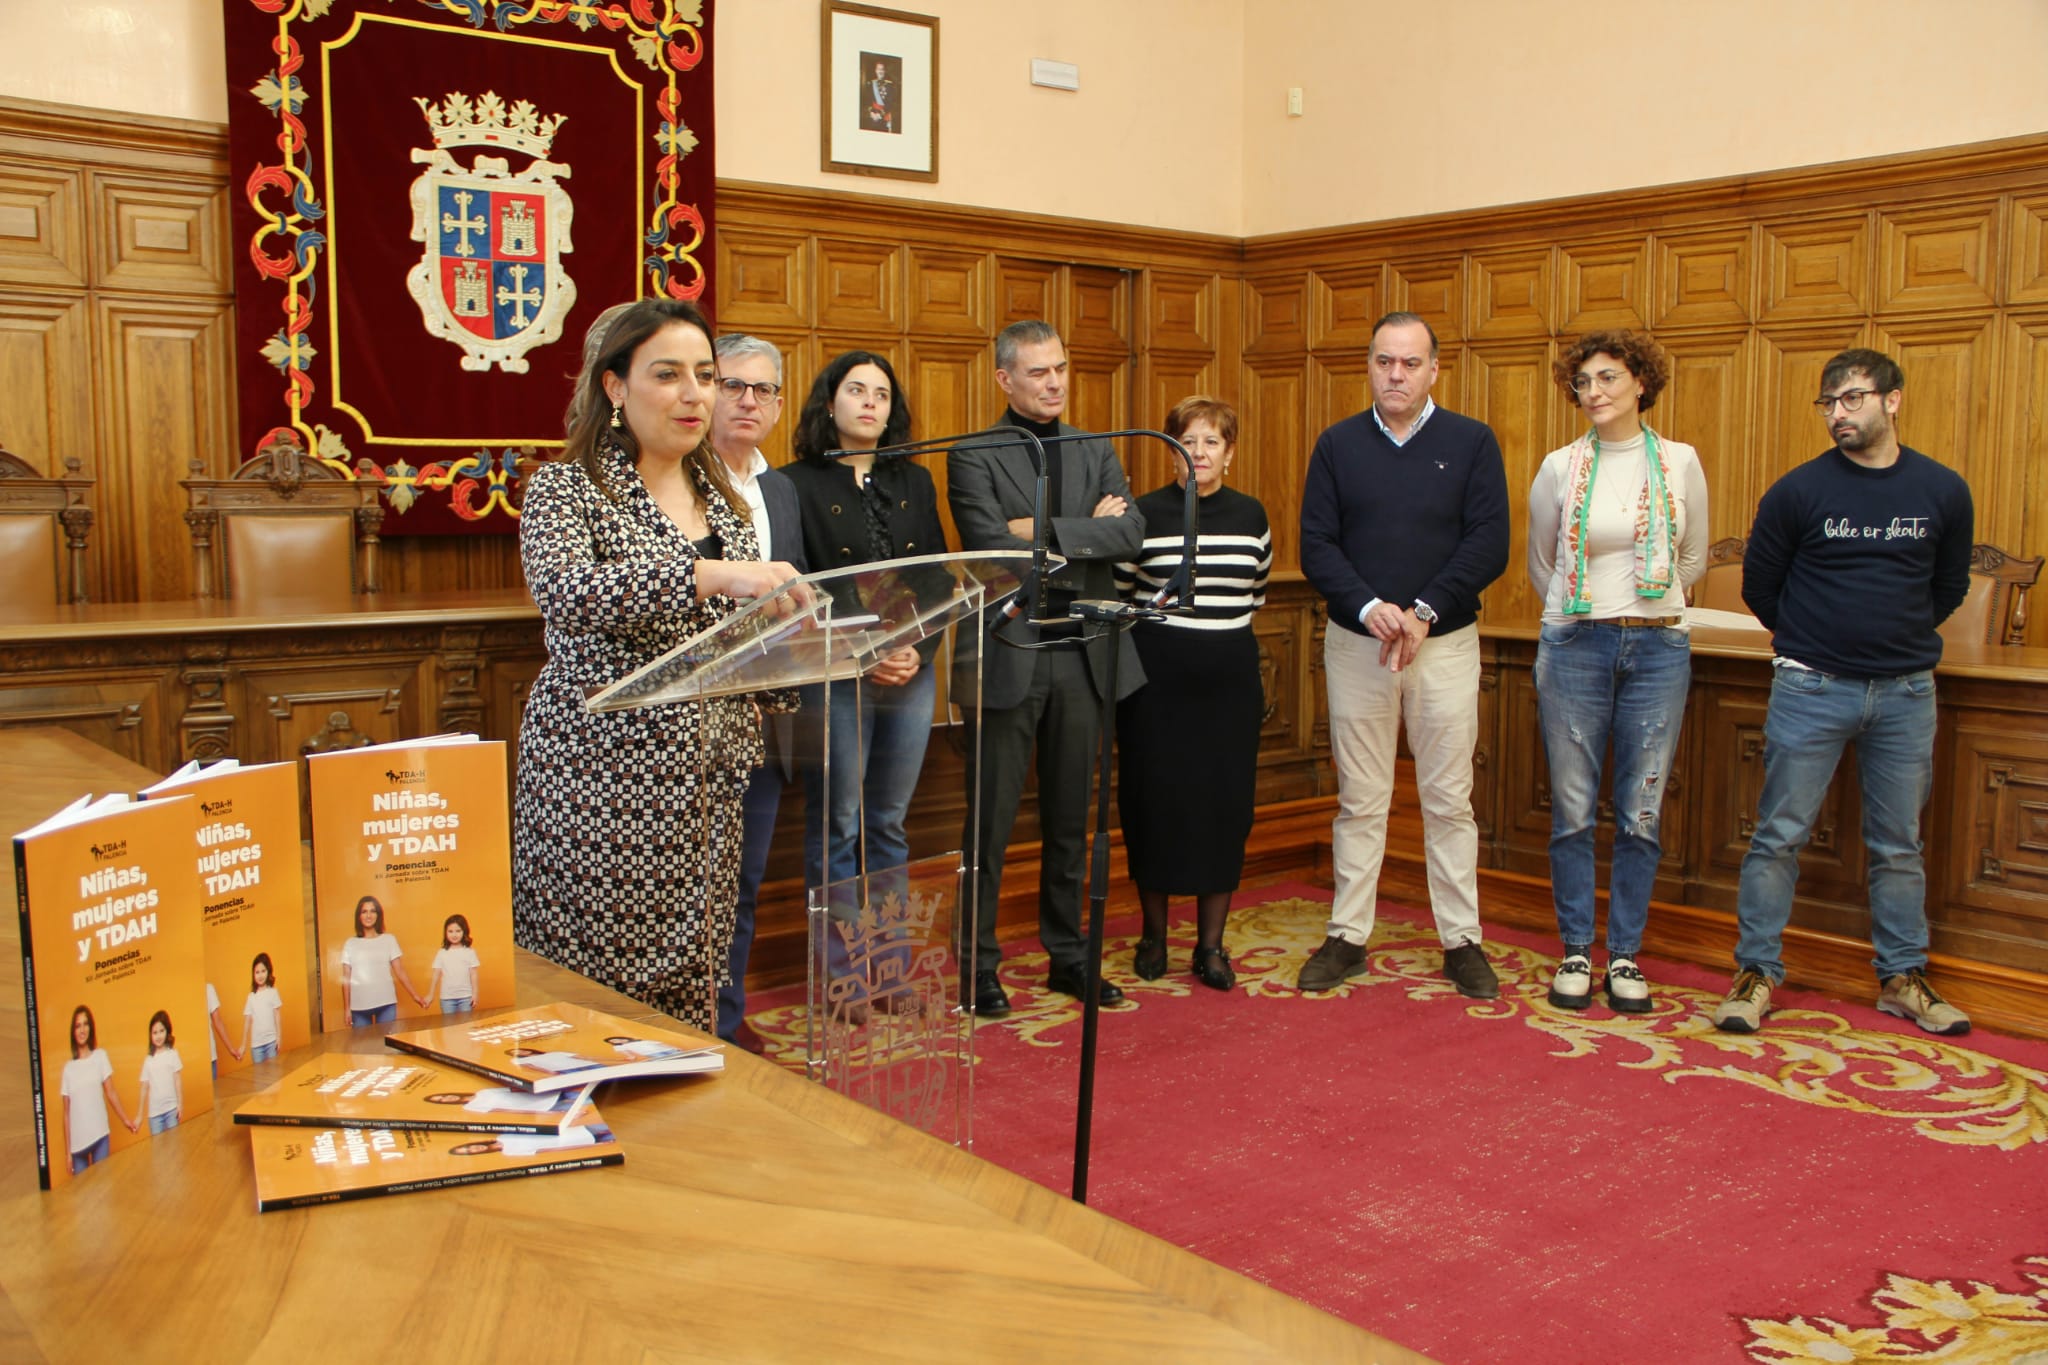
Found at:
(1047, 699)
(748, 405)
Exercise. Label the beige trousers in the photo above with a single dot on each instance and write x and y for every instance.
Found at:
(1437, 696)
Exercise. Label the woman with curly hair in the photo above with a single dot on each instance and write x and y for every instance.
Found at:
(1617, 529)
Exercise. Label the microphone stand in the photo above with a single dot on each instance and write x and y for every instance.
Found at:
(1110, 618)
(1031, 593)
(1100, 619)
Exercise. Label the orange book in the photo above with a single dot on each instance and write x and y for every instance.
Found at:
(113, 966)
(550, 1047)
(252, 891)
(300, 1166)
(379, 1090)
(412, 880)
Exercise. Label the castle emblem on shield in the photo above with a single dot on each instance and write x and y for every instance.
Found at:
(490, 279)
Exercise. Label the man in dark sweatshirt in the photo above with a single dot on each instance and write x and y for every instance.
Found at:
(1404, 521)
(1856, 556)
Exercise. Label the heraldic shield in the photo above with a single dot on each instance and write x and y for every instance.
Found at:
(490, 279)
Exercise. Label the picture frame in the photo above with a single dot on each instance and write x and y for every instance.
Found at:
(879, 92)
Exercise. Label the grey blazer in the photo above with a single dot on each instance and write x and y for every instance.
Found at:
(986, 488)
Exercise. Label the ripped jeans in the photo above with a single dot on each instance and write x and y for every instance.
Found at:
(1597, 681)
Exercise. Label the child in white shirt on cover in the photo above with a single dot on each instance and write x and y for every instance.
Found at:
(455, 968)
(261, 1013)
(163, 1089)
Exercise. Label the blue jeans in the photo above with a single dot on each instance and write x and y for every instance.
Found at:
(97, 1152)
(877, 756)
(263, 1052)
(162, 1123)
(757, 822)
(1596, 682)
(459, 1005)
(383, 1014)
(1812, 716)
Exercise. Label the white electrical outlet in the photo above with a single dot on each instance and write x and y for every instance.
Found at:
(1055, 75)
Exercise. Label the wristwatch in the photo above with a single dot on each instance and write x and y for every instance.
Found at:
(1424, 612)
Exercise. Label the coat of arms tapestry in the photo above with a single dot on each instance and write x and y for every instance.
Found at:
(435, 200)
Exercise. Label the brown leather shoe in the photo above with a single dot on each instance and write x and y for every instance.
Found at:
(1332, 964)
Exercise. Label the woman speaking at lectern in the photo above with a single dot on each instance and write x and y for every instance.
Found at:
(626, 825)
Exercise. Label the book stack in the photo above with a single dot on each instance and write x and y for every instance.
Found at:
(490, 1099)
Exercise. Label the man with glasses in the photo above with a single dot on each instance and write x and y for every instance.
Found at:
(1404, 521)
(1856, 556)
(748, 405)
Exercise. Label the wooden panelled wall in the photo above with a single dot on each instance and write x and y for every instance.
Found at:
(115, 322)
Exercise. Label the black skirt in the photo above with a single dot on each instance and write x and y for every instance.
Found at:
(1188, 752)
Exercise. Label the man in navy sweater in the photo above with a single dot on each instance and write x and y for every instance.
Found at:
(1404, 521)
(1856, 556)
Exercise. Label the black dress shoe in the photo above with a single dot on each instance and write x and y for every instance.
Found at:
(991, 1001)
(1212, 968)
(1149, 962)
(1074, 981)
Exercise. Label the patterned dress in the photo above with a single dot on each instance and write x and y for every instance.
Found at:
(626, 826)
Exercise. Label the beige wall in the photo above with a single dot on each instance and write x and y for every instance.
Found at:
(1412, 108)
(143, 56)
(1180, 120)
(1153, 137)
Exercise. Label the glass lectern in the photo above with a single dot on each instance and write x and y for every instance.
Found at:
(889, 1017)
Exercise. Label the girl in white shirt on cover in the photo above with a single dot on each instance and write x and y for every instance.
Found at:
(88, 1088)
(455, 968)
(260, 1015)
(163, 1089)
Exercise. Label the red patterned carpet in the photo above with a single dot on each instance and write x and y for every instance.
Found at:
(1505, 1181)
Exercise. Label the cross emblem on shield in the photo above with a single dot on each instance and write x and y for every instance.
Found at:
(490, 279)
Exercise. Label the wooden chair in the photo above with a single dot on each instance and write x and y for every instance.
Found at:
(1995, 611)
(282, 525)
(44, 523)
(1720, 587)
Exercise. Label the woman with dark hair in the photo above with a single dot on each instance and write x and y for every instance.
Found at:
(1617, 529)
(858, 509)
(88, 1089)
(372, 969)
(1188, 741)
(626, 825)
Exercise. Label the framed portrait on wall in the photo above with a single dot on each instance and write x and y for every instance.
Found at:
(880, 92)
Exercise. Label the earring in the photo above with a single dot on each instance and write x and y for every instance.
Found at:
(618, 415)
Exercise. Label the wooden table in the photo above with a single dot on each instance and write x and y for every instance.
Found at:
(758, 1217)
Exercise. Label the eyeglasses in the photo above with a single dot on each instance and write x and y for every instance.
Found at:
(1850, 399)
(1609, 380)
(764, 392)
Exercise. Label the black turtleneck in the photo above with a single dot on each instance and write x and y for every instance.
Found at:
(1055, 457)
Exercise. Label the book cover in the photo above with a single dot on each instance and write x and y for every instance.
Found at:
(296, 1167)
(412, 880)
(379, 1090)
(549, 1047)
(252, 903)
(114, 979)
